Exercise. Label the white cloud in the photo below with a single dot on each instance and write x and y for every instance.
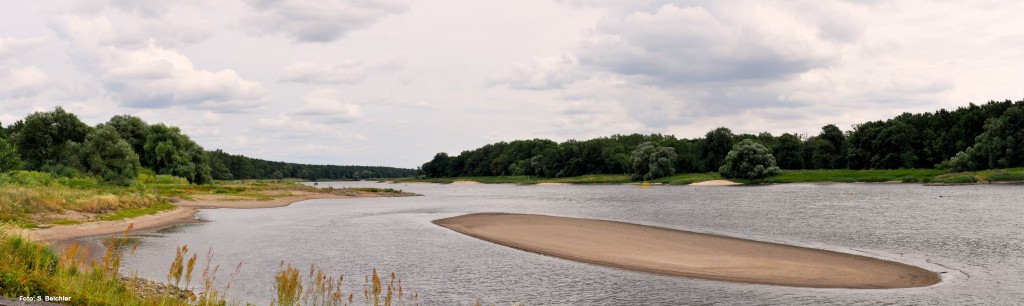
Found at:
(722, 42)
(23, 82)
(326, 105)
(346, 72)
(542, 73)
(318, 21)
(11, 46)
(152, 76)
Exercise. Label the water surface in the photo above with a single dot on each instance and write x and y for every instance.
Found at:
(972, 234)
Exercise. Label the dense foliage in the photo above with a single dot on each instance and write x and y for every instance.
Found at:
(649, 162)
(975, 137)
(749, 160)
(117, 151)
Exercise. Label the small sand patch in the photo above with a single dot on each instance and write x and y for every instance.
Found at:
(716, 183)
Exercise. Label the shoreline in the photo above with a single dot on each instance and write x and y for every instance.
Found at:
(183, 213)
(688, 254)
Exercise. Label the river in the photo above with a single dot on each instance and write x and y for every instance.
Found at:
(972, 234)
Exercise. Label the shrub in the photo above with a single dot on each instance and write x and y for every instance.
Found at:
(749, 160)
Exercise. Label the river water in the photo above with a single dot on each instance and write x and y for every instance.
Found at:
(972, 234)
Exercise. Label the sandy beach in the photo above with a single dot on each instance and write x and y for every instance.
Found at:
(184, 213)
(716, 183)
(680, 253)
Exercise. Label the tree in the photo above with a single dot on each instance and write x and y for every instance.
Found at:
(649, 162)
(106, 155)
(788, 152)
(716, 145)
(44, 138)
(830, 150)
(167, 151)
(9, 159)
(749, 160)
(132, 130)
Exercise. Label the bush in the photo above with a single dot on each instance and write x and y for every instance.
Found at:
(955, 179)
(749, 160)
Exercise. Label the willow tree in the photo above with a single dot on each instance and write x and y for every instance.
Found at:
(649, 162)
(749, 160)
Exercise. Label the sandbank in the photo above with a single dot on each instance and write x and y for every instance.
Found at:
(465, 182)
(716, 183)
(680, 253)
(178, 215)
(184, 213)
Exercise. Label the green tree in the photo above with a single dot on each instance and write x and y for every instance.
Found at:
(716, 145)
(132, 129)
(9, 159)
(788, 151)
(830, 149)
(167, 151)
(106, 155)
(649, 162)
(1001, 145)
(749, 160)
(45, 138)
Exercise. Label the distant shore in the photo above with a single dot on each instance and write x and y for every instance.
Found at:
(680, 253)
(925, 176)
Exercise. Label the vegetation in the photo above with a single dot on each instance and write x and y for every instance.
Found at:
(749, 160)
(648, 162)
(975, 137)
(118, 151)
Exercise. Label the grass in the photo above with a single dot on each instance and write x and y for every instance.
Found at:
(851, 176)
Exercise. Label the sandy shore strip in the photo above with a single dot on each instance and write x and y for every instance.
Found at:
(184, 213)
(216, 201)
(673, 252)
(716, 183)
(178, 215)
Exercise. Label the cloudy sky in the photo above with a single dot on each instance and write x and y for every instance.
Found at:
(391, 82)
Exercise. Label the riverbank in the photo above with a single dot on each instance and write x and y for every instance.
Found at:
(673, 252)
(185, 211)
(930, 176)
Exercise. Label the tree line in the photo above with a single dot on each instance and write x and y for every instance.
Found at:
(118, 150)
(972, 137)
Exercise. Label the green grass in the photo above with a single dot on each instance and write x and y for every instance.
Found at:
(376, 190)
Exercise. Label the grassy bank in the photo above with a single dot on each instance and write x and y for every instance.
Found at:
(788, 176)
(35, 199)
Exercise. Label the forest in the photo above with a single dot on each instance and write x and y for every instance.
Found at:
(126, 148)
(973, 137)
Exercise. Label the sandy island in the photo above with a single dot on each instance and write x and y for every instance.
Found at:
(673, 252)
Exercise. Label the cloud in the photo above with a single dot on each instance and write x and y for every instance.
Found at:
(325, 105)
(318, 21)
(718, 43)
(11, 46)
(542, 73)
(151, 76)
(346, 72)
(23, 82)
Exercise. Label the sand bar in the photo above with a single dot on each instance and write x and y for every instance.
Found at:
(716, 183)
(179, 215)
(680, 253)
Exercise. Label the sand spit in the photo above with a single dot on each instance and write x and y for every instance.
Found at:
(716, 183)
(673, 252)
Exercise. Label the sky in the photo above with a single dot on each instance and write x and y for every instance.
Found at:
(392, 82)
